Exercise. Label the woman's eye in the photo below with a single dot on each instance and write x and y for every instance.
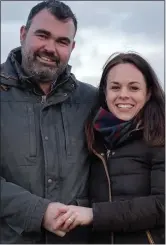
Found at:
(114, 87)
(134, 88)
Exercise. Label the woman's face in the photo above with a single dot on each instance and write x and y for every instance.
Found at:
(126, 91)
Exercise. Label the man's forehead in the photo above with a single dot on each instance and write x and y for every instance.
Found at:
(45, 20)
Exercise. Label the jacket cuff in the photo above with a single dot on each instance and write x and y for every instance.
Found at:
(35, 216)
(100, 216)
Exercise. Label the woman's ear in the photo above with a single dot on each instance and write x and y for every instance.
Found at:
(148, 95)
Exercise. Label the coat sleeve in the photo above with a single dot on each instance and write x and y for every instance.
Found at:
(22, 210)
(138, 213)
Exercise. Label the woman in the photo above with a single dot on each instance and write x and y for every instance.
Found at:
(125, 135)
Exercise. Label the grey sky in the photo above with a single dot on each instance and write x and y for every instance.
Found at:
(136, 25)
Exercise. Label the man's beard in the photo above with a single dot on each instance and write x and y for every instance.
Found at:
(39, 72)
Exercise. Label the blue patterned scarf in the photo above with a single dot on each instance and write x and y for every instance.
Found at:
(114, 130)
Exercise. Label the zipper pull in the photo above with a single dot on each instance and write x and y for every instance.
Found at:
(43, 100)
(108, 153)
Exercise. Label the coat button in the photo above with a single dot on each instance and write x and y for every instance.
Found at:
(113, 153)
(46, 137)
(49, 181)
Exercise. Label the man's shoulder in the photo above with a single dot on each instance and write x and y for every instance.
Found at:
(3, 67)
(4, 77)
(7, 75)
(6, 71)
(87, 86)
(85, 92)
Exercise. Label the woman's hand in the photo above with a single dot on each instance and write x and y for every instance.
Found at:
(75, 216)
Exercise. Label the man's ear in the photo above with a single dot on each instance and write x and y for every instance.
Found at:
(73, 45)
(23, 33)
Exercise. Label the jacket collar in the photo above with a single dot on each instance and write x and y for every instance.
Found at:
(100, 145)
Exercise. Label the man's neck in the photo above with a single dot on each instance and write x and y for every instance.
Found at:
(45, 87)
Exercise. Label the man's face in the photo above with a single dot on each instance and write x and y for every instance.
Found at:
(46, 46)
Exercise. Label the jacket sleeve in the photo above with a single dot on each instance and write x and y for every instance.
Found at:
(138, 213)
(22, 210)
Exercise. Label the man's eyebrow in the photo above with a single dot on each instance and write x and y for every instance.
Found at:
(43, 31)
(66, 39)
(47, 33)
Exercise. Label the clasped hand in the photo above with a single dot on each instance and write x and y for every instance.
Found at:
(67, 218)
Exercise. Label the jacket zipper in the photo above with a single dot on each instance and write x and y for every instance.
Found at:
(109, 182)
(149, 236)
(43, 99)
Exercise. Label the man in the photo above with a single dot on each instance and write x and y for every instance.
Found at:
(44, 158)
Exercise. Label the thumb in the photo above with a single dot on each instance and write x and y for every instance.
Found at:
(60, 233)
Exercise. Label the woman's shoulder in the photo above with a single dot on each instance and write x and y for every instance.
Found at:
(157, 153)
(138, 148)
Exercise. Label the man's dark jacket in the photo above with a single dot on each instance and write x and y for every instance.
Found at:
(44, 156)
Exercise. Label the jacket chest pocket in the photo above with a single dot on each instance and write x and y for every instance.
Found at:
(73, 125)
(18, 129)
(32, 131)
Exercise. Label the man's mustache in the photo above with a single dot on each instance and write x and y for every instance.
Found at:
(50, 56)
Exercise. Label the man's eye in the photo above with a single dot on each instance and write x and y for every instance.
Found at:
(64, 42)
(42, 36)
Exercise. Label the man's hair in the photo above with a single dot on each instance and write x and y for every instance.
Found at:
(57, 8)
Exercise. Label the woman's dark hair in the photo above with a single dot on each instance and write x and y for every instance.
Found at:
(153, 113)
(57, 8)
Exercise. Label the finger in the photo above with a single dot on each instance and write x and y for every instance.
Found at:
(60, 233)
(75, 223)
(69, 222)
(62, 210)
(61, 220)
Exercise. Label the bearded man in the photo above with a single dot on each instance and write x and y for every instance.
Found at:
(44, 158)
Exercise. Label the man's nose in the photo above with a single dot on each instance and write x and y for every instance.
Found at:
(50, 46)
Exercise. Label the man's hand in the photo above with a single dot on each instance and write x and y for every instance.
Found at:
(74, 216)
(49, 220)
